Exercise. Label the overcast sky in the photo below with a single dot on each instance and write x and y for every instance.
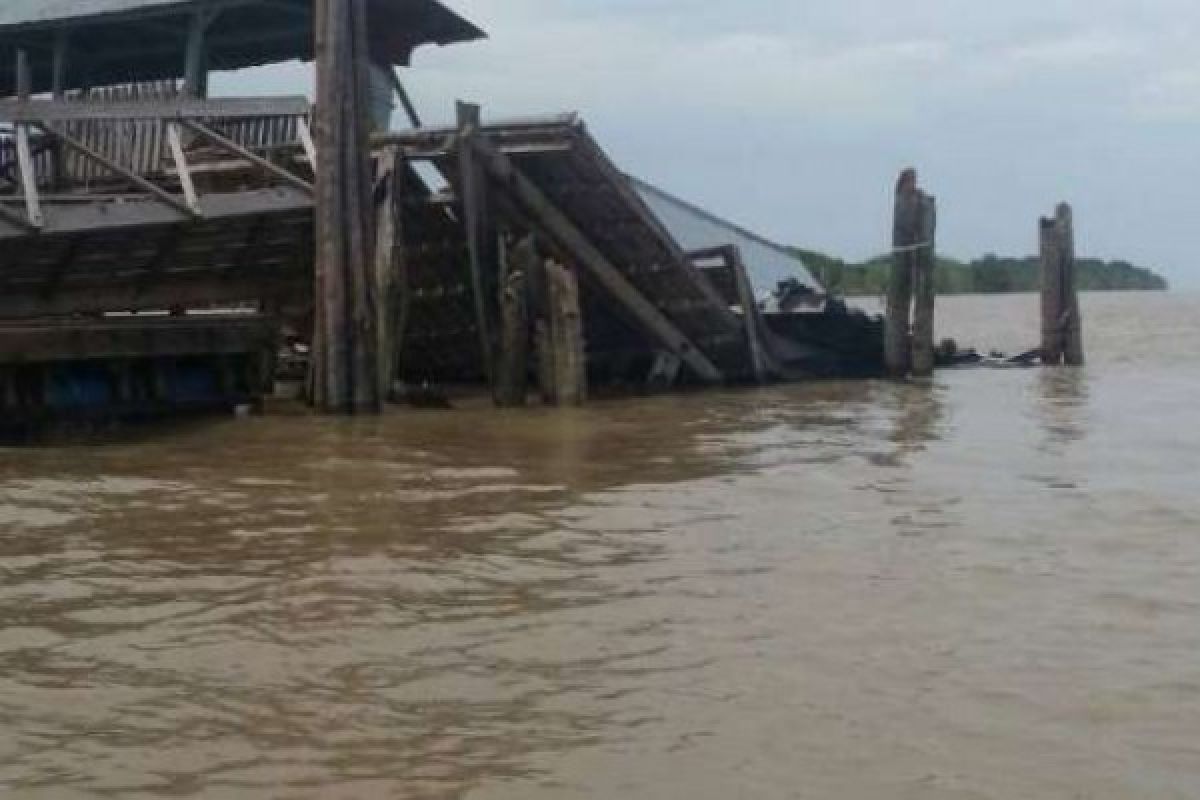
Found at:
(794, 116)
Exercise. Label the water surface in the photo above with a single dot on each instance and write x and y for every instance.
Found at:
(987, 588)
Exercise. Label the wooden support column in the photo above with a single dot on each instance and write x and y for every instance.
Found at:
(897, 345)
(345, 359)
(512, 365)
(562, 357)
(1062, 323)
(481, 232)
(925, 293)
(388, 288)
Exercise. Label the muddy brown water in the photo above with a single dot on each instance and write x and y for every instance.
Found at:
(986, 589)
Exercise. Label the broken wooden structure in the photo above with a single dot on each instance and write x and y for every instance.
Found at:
(127, 193)
(512, 257)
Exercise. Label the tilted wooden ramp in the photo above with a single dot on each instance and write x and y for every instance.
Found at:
(642, 292)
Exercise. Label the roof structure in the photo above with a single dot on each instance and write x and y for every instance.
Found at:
(123, 41)
(767, 262)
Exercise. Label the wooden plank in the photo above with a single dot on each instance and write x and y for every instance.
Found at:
(572, 241)
(102, 214)
(175, 143)
(182, 108)
(306, 141)
(28, 173)
(235, 148)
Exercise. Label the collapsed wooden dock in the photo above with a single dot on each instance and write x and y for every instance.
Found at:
(130, 212)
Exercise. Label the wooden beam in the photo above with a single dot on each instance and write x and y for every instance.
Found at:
(231, 108)
(186, 183)
(307, 143)
(132, 177)
(28, 172)
(573, 242)
(104, 213)
(410, 110)
(233, 147)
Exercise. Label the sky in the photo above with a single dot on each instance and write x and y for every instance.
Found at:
(793, 117)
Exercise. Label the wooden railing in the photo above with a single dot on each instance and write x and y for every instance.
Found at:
(148, 137)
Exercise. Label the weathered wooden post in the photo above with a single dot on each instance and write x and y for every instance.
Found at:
(345, 359)
(513, 363)
(482, 240)
(925, 291)
(909, 328)
(388, 285)
(897, 344)
(562, 359)
(1062, 322)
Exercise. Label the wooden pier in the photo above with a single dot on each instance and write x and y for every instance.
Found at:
(510, 256)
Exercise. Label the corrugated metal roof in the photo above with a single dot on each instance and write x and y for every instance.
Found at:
(696, 229)
(111, 45)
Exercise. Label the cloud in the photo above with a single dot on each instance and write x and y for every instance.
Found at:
(794, 116)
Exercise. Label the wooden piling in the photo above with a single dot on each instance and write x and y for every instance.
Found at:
(562, 360)
(512, 368)
(1062, 322)
(905, 232)
(388, 286)
(345, 361)
(924, 292)
(482, 241)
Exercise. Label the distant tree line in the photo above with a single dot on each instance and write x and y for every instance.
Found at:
(988, 275)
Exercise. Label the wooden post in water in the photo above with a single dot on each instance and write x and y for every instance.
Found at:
(562, 360)
(482, 241)
(512, 368)
(909, 328)
(345, 359)
(1062, 322)
(925, 292)
(897, 343)
(388, 287)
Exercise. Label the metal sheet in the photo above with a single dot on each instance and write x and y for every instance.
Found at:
(696, 229)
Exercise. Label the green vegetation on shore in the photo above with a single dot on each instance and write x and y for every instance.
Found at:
(987, 275)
